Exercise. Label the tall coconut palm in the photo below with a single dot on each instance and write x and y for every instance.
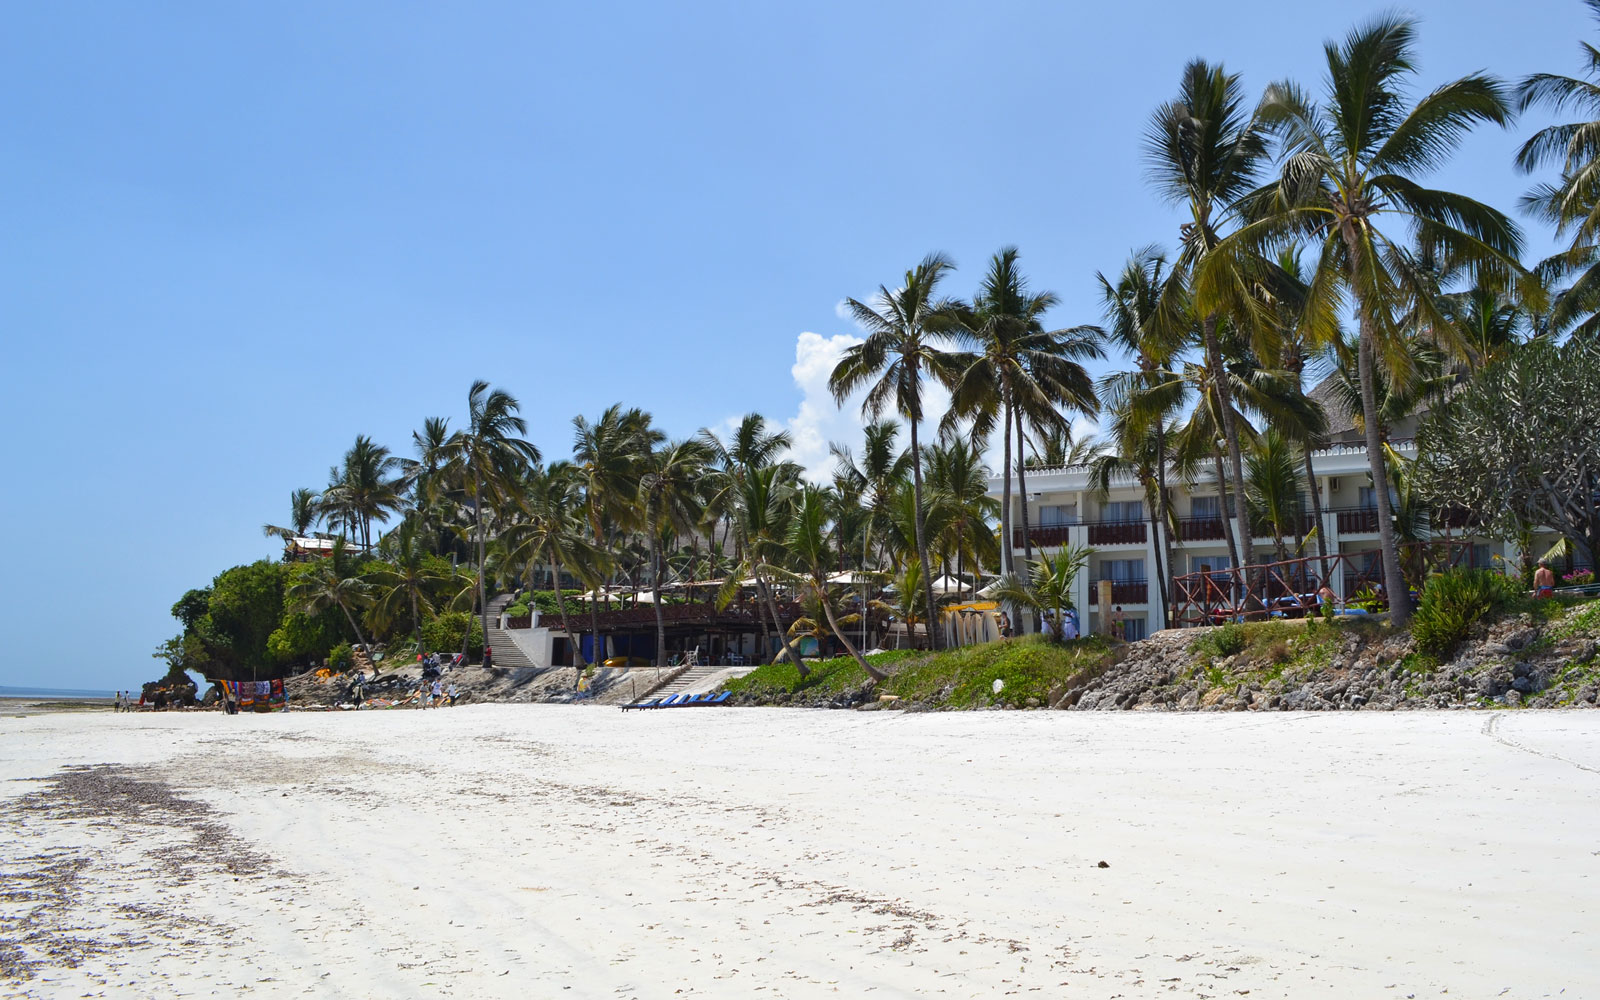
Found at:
(672, 496)
(550, 531)
(303, 516)
(1138, 449)
(1348, 181)
(406, 580)
(1022, 373)
(906, 330)
(1572, 203)
(806, 542)
(751, 446)
(365, 488)
(1206, 152)
(761, 503)
(490, 456)
(874, 478)
(608, 455)
(958, 484)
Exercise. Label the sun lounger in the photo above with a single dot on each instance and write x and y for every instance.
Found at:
(718, 700)
(642, 704)
(668, 702)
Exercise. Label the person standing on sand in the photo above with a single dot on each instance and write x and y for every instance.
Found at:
(438, 693)
(1544, 581)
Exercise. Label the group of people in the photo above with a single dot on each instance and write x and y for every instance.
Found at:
(434, 694)
(1062, 627)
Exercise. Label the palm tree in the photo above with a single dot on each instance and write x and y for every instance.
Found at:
(959, 501)
(1139, 449)
(1272, 488)
(1572, 204)
(672, 498)
(1059, 448)
(303, 516)
(365, 488)
(406, 580)
(807, 545)
(330, 583)
(751, 446)
(490, 456)
(1049, 587)
(1349, 171)
(1206, 152)
(761, 501)
(875, 479)
(904, 332)
(551, 531)
(1021, 372)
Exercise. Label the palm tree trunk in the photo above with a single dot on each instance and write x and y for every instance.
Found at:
(661, 621)
(477, 519)
(561, 606)
(1222, 506)
(360, 639)
(1230, 431)
(1394, 582)
(1005, 489)
(783, 634)
(877, 675)
(1166, 519)
(1026, 573)
(1154, 504)
(922, 530)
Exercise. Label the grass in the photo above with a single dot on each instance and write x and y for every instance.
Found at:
(1271, 650)
(1029, 669)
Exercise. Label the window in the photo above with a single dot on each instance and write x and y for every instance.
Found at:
(1123, 510)
(1134, 629)
(1205, 506)
(1061, 513)
(1481, 558)
(1209, 564)
(1369, 497)
(1122, 570)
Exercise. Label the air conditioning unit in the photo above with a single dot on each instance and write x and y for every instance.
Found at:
(1333, 484)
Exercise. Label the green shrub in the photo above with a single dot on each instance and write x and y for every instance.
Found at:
(341, 656)
(1224, 640)
(1452, 602)
(518, 610)
(444, 633)
(545, 601)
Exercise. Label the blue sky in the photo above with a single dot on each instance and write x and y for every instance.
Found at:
(239, 235)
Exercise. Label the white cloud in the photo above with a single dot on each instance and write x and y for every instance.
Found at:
(820, 421)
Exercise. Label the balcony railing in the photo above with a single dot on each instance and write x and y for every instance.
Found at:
(1116, 532)
(1044, 535)
(1123, 592)
(1200, 529)
(1357, 520)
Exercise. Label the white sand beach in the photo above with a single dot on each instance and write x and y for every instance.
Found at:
(542, 851)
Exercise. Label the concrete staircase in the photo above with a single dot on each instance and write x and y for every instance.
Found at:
(506, 652)
(688, 680)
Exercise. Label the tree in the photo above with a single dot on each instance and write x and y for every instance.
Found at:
(407, 579)
(761, 503)
(1020, 372)
(959, 501)
(608, 456)
(489, 456)
(363, 489)
(1517, 446)
(303, 516)
(1572, 203)
(905, 329)
(329, 582)
(1049, 587)
(807, 544)
(1272, 488)
(550, 531)
(672, 499)
(1206, 153)
(1348, 178)
(243, 608)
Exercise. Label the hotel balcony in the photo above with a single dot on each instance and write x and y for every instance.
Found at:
(1123, 592)
(1100, 533)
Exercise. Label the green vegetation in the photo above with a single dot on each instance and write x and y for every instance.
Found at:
(1032, 672)
(1452, 602)
(447, 632)
(1271, 650)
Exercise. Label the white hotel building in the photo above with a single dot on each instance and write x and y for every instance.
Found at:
(1066, 508)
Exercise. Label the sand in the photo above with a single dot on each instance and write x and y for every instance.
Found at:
(551, 851)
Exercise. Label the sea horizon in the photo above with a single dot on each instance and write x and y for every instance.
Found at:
(9, 691)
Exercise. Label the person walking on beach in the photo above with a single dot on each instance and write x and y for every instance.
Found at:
(438, 693)
(1544, 581)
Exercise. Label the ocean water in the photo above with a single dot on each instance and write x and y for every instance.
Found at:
(31, 692)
